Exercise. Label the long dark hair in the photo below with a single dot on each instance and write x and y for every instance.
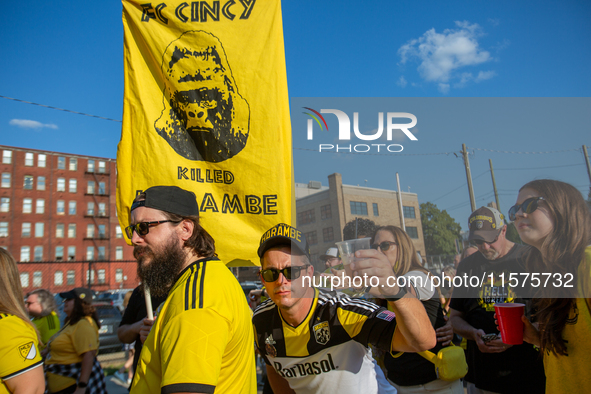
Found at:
(562, 251)
(81, 310)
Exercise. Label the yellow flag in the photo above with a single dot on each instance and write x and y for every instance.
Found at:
(206, 109)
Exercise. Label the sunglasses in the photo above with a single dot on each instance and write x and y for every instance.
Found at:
(479, 242)
(384, 246)
(143, 228)
(527, 207)
(290, 273)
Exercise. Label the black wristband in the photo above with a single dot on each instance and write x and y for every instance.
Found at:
(82, 385)
(401, 292)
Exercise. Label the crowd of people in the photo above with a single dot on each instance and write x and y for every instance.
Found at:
(313, 340)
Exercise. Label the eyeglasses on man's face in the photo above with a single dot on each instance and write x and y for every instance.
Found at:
(290, 273)
(143, 228)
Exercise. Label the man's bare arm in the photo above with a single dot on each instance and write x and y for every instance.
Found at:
(278, 384)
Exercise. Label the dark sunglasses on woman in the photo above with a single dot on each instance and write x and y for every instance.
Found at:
(527, 207)
(383, 245)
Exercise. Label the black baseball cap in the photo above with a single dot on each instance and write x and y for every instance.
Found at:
(283, 234)
(485, 224)
(171, 199)
(79, 292)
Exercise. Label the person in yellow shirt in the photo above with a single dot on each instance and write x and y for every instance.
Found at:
(71, 364)
(202, 338)
(20, 361)
(42, 308)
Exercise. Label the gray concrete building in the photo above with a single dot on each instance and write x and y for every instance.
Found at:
(322, 212)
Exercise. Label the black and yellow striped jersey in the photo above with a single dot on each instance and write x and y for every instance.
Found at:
(202, 338)
(328, 351)
(48, 326)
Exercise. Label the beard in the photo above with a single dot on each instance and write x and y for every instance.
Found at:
(165, 264)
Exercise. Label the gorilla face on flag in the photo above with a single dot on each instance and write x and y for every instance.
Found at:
(204, 117)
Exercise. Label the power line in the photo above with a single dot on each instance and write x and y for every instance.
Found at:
(378, 154)
(60, 109)
(539, 168)
(526, 153)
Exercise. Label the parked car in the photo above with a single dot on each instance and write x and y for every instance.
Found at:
(109, 317)
(114, 297)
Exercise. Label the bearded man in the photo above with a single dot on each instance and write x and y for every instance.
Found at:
(201, 340)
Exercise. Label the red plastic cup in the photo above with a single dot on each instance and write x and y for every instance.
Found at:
(510, 324)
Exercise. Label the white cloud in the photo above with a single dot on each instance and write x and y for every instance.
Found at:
(442, 55)
(443, 88)
(401, 82)
(31, 124)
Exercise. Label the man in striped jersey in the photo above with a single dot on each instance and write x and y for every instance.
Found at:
(43, 309)
(317, 342)
(201, 340)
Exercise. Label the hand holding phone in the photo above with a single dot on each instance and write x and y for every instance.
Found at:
(489, 337)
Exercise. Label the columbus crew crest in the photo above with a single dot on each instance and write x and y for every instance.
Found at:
(322, 333)
(269, 342)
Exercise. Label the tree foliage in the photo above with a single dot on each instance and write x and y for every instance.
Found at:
(512, 234)
(439, 230)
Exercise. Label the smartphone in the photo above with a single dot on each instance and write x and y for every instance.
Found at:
(489, 337)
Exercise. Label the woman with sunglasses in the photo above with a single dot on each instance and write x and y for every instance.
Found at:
(20, 362)
(71, 364)
(410, 372)
(552, 216)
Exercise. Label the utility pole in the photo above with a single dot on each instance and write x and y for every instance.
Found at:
(587, 162)
(469, 177)
(492, 174)
(400, 209)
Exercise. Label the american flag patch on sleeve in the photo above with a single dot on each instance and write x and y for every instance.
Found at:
(386, 315)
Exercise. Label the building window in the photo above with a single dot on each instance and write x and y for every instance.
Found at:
(40, 206)
(24, 277)
(73, 164)
(72, 208)
(4, 204)
(71, 277)
(37, 279)
(90, 167)
(38, 253)
(39, 229)
(61, 163)
(61, 184)
(7, 158)
(409, 212)
(327, 234)
(101, 167)
(28, 184)
(118, 232)
(90, 277)
(375, 209)
(71, 254)
(90, 208)
(29, 157)
(306, 217)
(3, 229)
(311, 237)
(325, 212)
(102, 189)
(73, 185)
(26, 232)
(90, 253)
(72, 230)
(102, 233)
(59, 230)
(41, 160)
(40, 183)
(6, 179)
(119, 275)
(61, 207)
(119, 253)
(59, 253)
(25, 253)
(27, 205)
(412, 232)
(358, 208)
(90, 187)
(58, 278)
(101, 276)
(102, 209)
(90, 231)
(101, 252)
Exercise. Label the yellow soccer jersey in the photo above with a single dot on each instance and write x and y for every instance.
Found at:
(202, 338)
(19, 350)
(48, 326)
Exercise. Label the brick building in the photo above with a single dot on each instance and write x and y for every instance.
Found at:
(322, 212)
(58, 219)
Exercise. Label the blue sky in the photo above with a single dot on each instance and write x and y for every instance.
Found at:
(71, 56)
